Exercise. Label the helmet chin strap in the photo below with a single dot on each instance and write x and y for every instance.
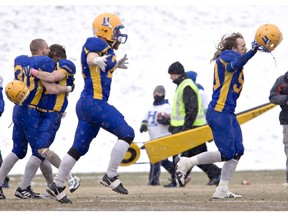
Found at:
(274, 59)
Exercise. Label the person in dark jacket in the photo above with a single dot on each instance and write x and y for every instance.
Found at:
(279, 95)
(188, 113)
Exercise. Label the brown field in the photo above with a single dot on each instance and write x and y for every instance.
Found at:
(265, 193)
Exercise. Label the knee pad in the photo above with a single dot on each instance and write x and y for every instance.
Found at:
(46, 152)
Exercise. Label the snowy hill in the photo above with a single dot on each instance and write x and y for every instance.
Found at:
(157, 36)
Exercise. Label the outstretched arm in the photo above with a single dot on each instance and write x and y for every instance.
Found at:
(239, 62)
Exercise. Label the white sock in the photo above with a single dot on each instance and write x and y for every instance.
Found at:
(227, 172)
(47, 171)
(228, 169)
(223, 185)
(7, 165)
(65, 168)
(206, 158)
(117, 155)
(30, 170)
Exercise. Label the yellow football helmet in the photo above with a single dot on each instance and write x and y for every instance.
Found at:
(108, 25)
(16, 91)
(268, 36)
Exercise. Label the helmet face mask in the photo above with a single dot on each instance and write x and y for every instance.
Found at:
(268, 36)
(108, 25)
(118, 36)
(17, 91)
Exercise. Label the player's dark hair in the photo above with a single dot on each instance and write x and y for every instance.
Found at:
(57, 52)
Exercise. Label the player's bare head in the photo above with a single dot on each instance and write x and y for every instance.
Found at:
(39, 47)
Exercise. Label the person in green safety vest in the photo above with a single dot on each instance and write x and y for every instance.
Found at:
(188, 113)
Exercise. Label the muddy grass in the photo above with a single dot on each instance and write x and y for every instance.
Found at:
(265, 193)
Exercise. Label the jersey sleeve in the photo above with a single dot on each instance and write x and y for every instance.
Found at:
(68, 66)
(96, 45)
(229, 55)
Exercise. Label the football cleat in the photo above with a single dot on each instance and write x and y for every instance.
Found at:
(74, 183)
(224, 193)
(26, 193)
(183, 165)
(171, 185)
(214, 181)
(2, 196)
(58, 193)
(113, 183)
(6, 183)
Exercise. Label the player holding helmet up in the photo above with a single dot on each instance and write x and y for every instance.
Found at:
(268, 36)
(230, 57)
(98, 62)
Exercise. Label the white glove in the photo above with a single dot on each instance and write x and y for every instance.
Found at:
(101, 61)
(122, 62)
(1, 82)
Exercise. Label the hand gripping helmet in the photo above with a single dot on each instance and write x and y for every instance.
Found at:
(108, 25)
(16, 91)
(268, 36)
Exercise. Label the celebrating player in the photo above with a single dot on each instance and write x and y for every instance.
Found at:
(230, 57)
(98, 62)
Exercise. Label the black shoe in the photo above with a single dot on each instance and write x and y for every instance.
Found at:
(154, 184)
(114, 183)
(6, 183)
(58, 193)
(2, 196)
(214, 181)
(172, 184)
(26, 193)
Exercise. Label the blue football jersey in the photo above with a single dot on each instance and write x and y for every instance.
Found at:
(97, 83)
(59, 102)
(227, 86)
(43, 63)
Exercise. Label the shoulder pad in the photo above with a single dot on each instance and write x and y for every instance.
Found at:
(67, 65)
(94, 44)
(22, 59)
(229, 55)
(43, 63)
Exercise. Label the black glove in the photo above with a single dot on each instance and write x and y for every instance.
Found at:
(142, 147)
(143, 127)
(0, 114)
(73, 87)
(164, 121)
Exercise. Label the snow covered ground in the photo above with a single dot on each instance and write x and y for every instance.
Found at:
(158, 35)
